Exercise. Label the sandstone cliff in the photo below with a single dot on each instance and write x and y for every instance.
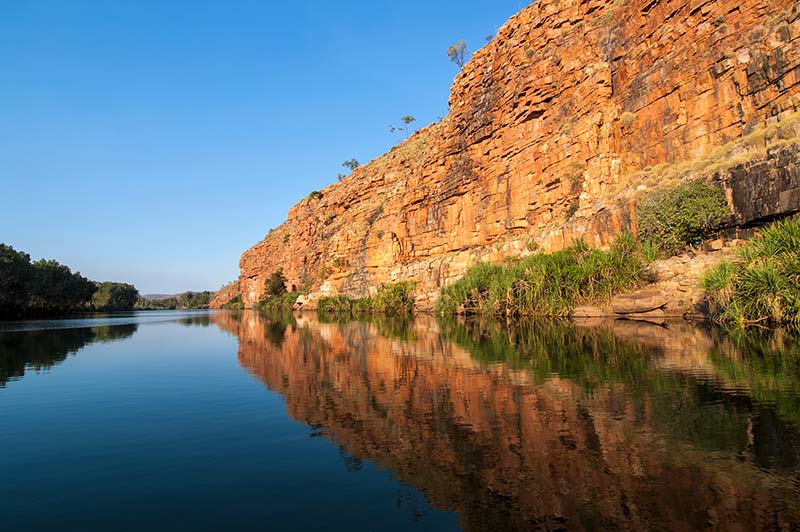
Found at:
(552, 129)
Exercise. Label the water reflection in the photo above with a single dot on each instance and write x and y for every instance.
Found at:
(40, 350)
(549, 425)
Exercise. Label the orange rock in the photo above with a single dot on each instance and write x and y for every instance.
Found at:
(548, 124)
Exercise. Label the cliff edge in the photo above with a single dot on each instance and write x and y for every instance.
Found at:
(553, 128)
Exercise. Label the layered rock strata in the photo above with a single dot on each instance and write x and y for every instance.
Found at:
(549, 125)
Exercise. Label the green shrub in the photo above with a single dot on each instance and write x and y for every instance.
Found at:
(546, 284)
(682, 216)
(315, 194)
(334, 305)
(275, 286)
(391, 299)
(281, 303)
(234, 304)
(763, 284)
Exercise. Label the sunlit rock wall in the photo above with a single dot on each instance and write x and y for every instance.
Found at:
(547, 124)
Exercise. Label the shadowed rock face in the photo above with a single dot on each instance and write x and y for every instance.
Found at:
(546, 124)
(624, 427)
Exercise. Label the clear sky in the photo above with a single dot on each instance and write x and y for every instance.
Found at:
(152, 141)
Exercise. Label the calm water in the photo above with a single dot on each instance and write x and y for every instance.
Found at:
(220, 421)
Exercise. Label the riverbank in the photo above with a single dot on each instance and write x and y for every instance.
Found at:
(673, 289)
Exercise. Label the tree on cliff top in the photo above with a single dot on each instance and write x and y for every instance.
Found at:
(352, 164)
(457, 53)
(407, 120)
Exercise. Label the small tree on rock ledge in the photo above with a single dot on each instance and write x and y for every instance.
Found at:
(275, 285)
(457, 53)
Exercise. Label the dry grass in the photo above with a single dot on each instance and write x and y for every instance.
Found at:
(750, 147)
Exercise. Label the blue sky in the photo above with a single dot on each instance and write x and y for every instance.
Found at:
(153, 141)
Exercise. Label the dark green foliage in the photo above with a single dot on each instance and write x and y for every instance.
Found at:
(191, 300)
(15, 278)
(46, 287)
(335, 305)
(763, 284)
(352, 164)
(406, 121)
(43, 287)
(276, 297)
(186, 300)
(682, 216)
(275, 285)
(546, 284)
(391, 299)
(114, 296)
(315, 194)
(55, 288)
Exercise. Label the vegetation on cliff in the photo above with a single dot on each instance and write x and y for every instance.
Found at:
(749, 147)
(547, 284)
(280, 303)
(762, 285)
(234, 304)
(685, 215)
(276, 296)
(41, 288)
(391, 299)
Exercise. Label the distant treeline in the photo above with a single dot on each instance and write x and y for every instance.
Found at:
(46, 288)
(186, 300)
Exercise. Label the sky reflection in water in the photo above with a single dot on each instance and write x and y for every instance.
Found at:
(156, 421)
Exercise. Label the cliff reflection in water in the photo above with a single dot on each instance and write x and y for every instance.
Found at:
(548, 425)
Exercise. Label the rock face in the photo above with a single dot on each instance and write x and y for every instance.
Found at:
(644, 300)
(767, 187)
(547, 124)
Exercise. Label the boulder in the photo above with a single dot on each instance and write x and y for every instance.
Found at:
(588, 311)
(657, 316)
(640, 301)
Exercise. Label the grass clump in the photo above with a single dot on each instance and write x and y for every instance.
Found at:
(546, 284)
(627, 119)
(280, 303)
(234, 304)
(391, 299)
(682, 216)
(762, 285)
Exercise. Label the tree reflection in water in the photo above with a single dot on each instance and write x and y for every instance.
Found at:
(40, 350)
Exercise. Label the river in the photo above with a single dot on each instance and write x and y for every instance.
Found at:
(236, 420)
